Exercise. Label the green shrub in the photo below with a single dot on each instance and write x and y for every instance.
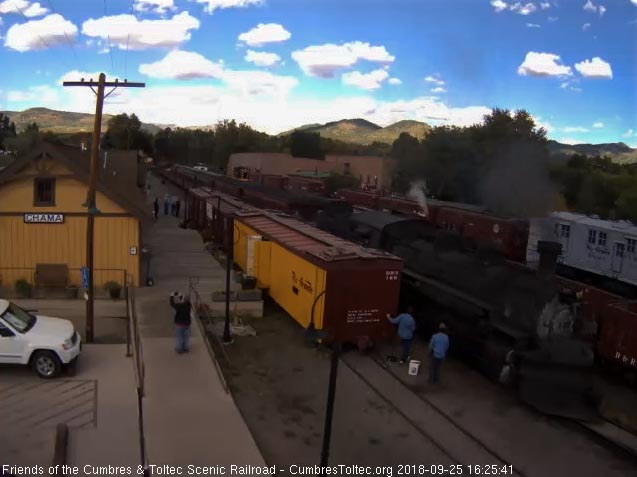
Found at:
(23, 288)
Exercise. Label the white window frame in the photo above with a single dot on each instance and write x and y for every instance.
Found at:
(604, 236)
(592, 236)
(631, 244)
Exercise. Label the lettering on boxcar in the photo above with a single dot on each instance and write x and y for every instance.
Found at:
(625, 359)
(363, 316)
(392, 274)
(306, 285)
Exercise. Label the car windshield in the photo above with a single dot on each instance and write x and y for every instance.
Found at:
(19, 319)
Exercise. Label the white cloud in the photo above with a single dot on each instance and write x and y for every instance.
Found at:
(251, 97)
(523, 9)
(545, 5)
(396, 81)
(262, 58)
(259, 83)
(367, 81)
(553, 19)
(630, 133)
(142, 34)
(599, 124)
(574, 129)
(498, 5)
(435, 79)
(533, 25)
(569, 140)
(43, 94)
(212, 5)
(156, 6)
(589, 6)
(543, 64)
(23, 7)
(586, 26)
(438, 89)
(548, 127)
(324, 60)
(595, 68)
(265, 33)
(48, 32)
(182, 65)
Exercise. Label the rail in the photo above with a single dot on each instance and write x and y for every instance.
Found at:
(201, 314)
(134, 341)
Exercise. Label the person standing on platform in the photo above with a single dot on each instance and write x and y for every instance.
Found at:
(406, 327)
(166, 203)
(177, 207)
(182, 322)
(438, 347)
(156, 208)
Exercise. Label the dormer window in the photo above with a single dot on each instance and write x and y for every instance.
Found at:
(43, 192)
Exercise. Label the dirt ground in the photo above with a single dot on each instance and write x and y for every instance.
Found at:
(282, 396)
(279, 383)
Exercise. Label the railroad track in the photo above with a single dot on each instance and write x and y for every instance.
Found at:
(448, 442)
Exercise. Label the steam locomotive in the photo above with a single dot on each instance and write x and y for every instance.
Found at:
(515, 324)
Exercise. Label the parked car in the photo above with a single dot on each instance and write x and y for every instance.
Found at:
(44, 343)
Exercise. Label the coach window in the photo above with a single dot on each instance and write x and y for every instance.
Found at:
(602, 239)
(592, 236)
(566, 231)
(43, 192)
(630, 245)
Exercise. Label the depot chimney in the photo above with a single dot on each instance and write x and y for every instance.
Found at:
(549, 251)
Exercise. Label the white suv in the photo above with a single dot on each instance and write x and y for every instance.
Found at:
(45, 343)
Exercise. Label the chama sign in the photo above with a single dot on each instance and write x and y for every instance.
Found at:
(43, 218)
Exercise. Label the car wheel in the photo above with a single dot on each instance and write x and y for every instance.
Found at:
(46, 364)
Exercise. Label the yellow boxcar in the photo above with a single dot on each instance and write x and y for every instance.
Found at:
(316, 277)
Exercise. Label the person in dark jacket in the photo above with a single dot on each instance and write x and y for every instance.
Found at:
(156, 207)
(177, 207)
(182, 322)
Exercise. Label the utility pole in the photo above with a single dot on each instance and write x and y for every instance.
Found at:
(101, 85)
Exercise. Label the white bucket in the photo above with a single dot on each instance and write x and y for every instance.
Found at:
(414, 366)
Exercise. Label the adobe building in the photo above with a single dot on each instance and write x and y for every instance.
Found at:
(43, 220)
(373, 172)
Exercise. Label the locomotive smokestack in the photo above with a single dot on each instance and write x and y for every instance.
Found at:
(548, 251)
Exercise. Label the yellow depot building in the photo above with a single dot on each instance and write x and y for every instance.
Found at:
(43, 220)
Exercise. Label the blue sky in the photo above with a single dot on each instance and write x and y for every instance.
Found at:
(277, 64)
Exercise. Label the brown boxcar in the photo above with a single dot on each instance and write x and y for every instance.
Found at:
(195, 213)
(359, 197)
(617, 337)
(316, 277)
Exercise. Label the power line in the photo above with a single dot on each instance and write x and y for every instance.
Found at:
(26, 19)
(68, 40)
(110, 49)
(132, 6)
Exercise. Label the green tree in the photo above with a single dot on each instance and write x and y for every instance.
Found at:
(125, 132)
(306, 144)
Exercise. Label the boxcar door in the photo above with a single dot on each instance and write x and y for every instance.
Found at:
(618, 257)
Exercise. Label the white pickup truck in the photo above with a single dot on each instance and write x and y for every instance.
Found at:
(46, 344)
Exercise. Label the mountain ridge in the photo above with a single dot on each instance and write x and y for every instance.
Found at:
(354, 130)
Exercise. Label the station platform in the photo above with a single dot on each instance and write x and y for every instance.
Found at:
(189, 418)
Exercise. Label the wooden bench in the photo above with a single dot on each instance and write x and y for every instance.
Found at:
(52, 275)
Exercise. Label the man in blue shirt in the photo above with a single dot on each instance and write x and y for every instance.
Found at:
(438, 346)
(406, 327)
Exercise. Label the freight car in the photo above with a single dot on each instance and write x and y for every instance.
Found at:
(477, 227)
(505, 318)
(301, 204)
(319, 279)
